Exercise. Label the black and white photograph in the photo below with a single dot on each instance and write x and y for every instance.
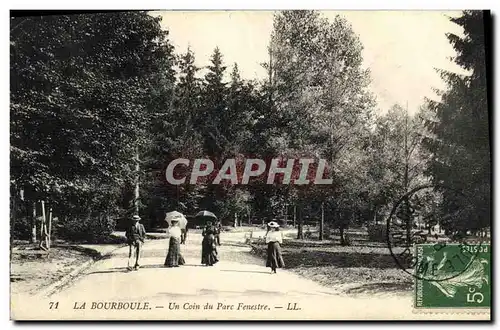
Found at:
(181, 165)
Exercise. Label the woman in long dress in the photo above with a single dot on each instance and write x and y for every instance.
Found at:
(208, 246)
(174, 257)
(274, 239)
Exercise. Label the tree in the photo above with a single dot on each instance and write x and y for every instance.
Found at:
(80, 89)
(459, 144)
(396, 161)
(317, 93)
(173, 134)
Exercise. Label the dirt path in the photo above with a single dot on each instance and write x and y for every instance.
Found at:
(239, 280)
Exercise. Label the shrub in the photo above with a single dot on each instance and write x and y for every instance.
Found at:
(327, 233)
(89, 229)
(346, 241)
(21, 228)
(377, 232)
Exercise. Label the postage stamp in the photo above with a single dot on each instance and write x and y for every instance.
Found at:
(457, 276)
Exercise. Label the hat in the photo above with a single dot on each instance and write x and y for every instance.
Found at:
(136, 218)
(273, 224)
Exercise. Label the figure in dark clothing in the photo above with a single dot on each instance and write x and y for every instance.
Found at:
(209, 255)
(135, 239)
(184, 232)
(218, 229)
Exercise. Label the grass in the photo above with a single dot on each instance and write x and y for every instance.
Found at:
(350, 269)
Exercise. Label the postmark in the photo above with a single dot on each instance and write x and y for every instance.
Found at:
(402, 237)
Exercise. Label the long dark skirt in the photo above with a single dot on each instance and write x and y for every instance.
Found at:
(183, 236)
(174, 257)
(209, 251)
(274, 257)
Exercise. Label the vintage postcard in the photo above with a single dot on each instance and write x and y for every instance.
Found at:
(250, 165)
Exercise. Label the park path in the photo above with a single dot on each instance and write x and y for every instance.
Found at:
(239, 280)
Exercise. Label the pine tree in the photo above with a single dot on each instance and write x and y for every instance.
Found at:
(460, 145)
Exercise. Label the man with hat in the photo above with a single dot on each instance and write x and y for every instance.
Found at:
(135, 238)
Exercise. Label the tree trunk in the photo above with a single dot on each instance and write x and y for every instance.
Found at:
(300, 229)
(41, 225)
(406, 182)
(136, 190)
(13, 213)
(408, 222)
(322, 222)
(341, 229)
(235, 220)
(294, 215)
(285, 216)
(33, 224)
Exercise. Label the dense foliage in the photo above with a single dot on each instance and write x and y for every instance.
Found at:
(92, 96)
(460, 144)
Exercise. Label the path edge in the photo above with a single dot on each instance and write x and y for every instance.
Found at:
(52, 288)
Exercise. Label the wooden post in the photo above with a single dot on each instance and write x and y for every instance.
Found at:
(43, 229)
(50, 228)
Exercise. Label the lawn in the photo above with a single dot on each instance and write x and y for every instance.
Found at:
(350, 269)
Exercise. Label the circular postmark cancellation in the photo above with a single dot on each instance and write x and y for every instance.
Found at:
(413, 249)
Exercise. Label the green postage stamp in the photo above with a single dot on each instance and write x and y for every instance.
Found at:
(453, 276)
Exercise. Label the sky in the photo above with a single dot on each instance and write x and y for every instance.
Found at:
(401, 48)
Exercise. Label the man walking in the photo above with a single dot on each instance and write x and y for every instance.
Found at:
(135, 238)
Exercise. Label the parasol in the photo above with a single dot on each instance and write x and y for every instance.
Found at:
(176, 216)
(206, 216)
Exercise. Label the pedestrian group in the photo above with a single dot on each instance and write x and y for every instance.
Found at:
(136, 235)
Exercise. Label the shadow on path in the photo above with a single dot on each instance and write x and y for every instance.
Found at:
(244, 271)
(381, 288)
(112, 270)
(219, 293)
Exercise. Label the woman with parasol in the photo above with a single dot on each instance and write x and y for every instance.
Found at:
(174, 257)
(209, 255)
(274, 239)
